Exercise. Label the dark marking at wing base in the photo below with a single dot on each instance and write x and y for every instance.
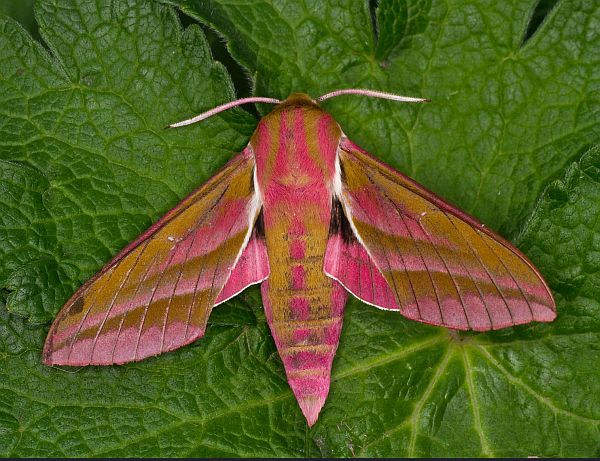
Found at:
(339, 223)
(259, 226)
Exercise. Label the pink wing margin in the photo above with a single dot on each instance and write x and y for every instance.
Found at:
(156, 295)
(406, 249)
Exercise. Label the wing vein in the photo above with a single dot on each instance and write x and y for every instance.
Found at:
(193, 303)
(127, 311)
(385, 253)
(149, 303)
(212, 286)
(478, 259)
(111, 304)
(511, 276)
(416, 246)
(84, 318)
(168, 309)
(193, 230)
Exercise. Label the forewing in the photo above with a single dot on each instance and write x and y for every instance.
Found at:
(157, 293)
(443, 266)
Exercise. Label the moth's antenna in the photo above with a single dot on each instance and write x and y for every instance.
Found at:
(370, 93)
(223, 107)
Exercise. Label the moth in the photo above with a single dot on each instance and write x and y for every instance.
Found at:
(309, 215)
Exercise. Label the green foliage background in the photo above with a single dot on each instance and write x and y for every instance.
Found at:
(85, 166)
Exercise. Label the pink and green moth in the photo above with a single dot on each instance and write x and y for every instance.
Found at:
(310, 216)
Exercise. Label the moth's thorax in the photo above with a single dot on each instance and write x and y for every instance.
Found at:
(295, 146)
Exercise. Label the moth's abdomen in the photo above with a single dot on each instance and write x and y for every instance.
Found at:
(303, 306)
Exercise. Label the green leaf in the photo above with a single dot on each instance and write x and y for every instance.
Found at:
(563, 235)
(22, 12)
(86, 166)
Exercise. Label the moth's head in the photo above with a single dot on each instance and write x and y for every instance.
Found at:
(296, 100)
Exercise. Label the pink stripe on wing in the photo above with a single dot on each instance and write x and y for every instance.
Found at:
(210, 237)
(252, 267)
(351, 265)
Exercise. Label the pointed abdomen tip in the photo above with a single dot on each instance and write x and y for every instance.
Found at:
(311, 407)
